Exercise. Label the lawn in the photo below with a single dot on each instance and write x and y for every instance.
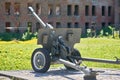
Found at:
(16, 55)
(103, 48)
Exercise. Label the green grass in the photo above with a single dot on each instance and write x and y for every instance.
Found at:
(16, 55)
(103, 48)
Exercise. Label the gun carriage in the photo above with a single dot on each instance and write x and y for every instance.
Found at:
(58, 46)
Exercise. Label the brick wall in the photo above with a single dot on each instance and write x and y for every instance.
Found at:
(117, 12)
(62, 20)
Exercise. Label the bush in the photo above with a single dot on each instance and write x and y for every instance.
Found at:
(28, 35)
(107, 31)
(9, 36)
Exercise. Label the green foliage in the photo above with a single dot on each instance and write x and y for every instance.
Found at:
(28, 36)
(106, 31)
(8, 36)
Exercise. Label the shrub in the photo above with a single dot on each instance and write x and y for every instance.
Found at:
(28, 35)
(107, 31)
(9, 36)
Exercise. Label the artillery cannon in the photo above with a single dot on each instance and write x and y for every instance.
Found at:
(58, 47)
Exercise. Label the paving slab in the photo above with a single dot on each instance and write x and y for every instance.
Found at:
(4, 78)
(60, 74)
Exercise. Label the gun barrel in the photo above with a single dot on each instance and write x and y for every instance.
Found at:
(37, 17)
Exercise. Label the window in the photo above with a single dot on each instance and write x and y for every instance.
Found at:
(87, 10)
(69, 10)
(29, 24)
(7, 25)
(93, 10)
(51, 23)
(103, 25)
(109, 10)
(58, 25)
(109, 23)
(76, 12)
(119, 18)
(38, 9)
(50, 10)
(28, 5)
(7, 8)
(86, 25)
(69, 25)
(103, 10)
(17, 8)
(37, 26)
(119, 3)
(57, 10)
(76, 25)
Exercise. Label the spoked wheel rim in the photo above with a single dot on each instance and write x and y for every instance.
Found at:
(39, 60)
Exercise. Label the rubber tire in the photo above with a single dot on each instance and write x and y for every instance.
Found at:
(46, 57)
(74, 53)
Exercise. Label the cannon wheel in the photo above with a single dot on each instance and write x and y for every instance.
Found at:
(40, 60)
(75, 53)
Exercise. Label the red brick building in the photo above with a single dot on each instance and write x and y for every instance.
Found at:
(15, 16)
(117, 12)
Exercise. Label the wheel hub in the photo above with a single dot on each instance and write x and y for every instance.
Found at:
(39, 60)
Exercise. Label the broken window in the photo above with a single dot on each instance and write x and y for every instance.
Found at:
(58, 25)
(7, 25)
(76, 25)
(50, 9)
(7, 8)
(109, 10)
(69, 10)
(103, 10)
(87, 10)
(17, 8)
(69, 25)
(38, 9)
(57, 10)
(76, 12)
(28, 5)
(29, 25)
(93, 10)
